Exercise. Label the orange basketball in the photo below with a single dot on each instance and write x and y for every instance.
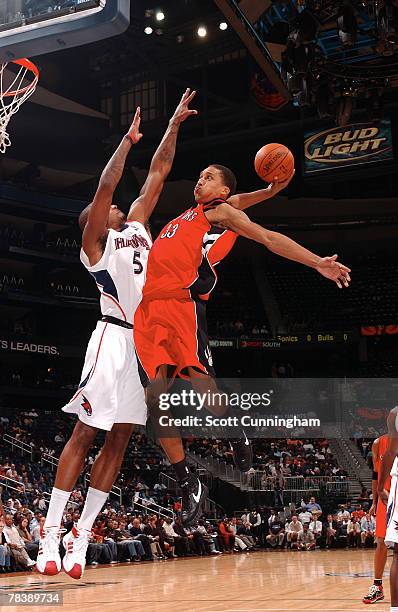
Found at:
(274, 160)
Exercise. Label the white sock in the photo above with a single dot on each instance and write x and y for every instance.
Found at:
(94, 502)
(58, 501)
(394, 609)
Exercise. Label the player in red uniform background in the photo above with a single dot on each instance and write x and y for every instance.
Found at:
(170, 323)
(379, 510)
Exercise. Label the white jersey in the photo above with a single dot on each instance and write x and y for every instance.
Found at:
(121, 271)
(394, 469)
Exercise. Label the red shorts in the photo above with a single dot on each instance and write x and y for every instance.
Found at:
(381, 519)
(174, 332)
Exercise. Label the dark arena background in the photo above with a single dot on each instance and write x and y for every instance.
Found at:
(319, 77)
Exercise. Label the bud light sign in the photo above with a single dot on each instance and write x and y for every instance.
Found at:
(339, 147)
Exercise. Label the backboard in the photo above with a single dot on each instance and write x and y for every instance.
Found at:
(34, 27)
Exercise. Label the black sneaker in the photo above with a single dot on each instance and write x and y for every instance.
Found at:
(242, 453)
(194, 494)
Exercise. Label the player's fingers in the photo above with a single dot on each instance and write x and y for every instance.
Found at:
(137, 115)
(185, 94)
(191, 96)
(338, 283)
(344, 268)
(192, 112)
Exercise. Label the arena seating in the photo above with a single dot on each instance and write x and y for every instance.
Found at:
(310, 302)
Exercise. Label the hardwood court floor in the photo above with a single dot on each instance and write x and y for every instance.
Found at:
(266, 581)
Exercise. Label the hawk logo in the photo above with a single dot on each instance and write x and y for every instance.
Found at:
(87, 406)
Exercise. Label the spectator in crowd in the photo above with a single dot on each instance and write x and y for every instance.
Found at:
(208, 537)
(22, 528)
(305, 516)
(313, 505)
(343, 513)
(277, 531)
(152, 531)
(227, 534)
(16, 544)
(354, 533)
(124, 540)
(368, 528)
(316, 527)
(293, 530)
(306, 539)
(137, 534)
(5, 556)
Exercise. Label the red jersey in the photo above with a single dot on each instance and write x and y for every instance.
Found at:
(383, 445)
(182, 260)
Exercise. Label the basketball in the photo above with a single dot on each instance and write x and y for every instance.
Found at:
(274, 160)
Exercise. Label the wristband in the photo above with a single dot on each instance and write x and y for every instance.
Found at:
(128, 137)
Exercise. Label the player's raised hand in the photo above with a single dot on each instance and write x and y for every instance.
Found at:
(183, 111)
(276, 186)
(330, 268)
(134, 131)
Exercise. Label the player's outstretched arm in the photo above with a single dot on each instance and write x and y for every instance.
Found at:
(162, 162)
(242, 201)
(98, 210)
(239, 222)
(389, 456)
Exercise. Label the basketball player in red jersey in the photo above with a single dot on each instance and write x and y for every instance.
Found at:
(379, 510)
(389, 466)
(170, 323)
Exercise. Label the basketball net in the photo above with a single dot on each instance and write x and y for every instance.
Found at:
(13, 94)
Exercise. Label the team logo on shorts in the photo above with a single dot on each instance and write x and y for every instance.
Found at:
(87, 406)
(209, 356)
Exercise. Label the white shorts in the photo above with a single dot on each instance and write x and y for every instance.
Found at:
(110, 390)
(392, 514)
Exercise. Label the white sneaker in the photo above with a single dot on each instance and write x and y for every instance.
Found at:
(48, 559)
(75, 543)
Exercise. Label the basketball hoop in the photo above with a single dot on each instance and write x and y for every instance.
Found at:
(14, 93)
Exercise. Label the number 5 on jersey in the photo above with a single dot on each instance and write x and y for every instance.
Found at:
(138, 267)
(170, 231)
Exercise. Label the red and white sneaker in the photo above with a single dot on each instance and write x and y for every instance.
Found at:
(375, 594)
(75, 543)
(48, 558)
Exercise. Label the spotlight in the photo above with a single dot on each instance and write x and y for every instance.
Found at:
(159, 16)
(148, 30)
(347, 25)
(223, 25)
(202, 32)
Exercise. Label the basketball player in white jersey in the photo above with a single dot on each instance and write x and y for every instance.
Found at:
(110, 395)
(389, 465)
